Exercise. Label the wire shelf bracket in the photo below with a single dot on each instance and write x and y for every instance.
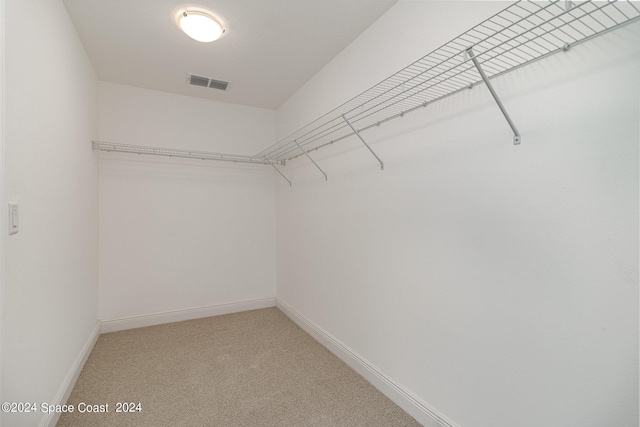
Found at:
(355, 131)
(278, 170)
(516, 134)
(312, 161)
(523, 32)
(568, 4)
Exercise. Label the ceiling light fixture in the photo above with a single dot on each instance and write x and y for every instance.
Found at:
(200, 26)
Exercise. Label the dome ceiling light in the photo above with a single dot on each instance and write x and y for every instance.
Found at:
(200, 26)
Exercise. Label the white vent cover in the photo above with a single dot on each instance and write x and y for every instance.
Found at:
(206, 82)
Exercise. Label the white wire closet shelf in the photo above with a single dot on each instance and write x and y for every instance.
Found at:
(523, 32)
(187, 154)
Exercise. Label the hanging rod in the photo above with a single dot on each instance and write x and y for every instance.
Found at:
(188, 154)
(523, 32)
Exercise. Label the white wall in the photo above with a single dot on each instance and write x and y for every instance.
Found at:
(50, 306)
(3, 225)
(498, 284)
(146, 117)
(182, 234)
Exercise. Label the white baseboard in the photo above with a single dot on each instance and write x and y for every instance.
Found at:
(122, 323)
(414, 406)
(69, 381)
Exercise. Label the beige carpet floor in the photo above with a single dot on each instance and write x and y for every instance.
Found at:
(255, 368)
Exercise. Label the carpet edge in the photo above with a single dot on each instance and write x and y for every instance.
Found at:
(414, 406)
(159, 318)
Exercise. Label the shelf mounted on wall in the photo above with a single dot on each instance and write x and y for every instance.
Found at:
(185, 154)
(188, 154)
(524, 32)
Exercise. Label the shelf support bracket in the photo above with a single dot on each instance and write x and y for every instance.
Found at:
(363, 141)
(516, 134)
(278, 170)
(312, 161)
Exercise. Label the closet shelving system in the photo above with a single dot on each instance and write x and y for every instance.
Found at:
(519, 34)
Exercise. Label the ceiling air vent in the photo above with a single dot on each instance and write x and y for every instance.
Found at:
(207, 82)
(218, 84)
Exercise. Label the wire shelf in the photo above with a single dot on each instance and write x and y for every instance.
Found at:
(523, 32)
(188, 154)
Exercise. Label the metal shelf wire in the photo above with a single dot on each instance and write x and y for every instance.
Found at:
(523, 32)
(188, 154)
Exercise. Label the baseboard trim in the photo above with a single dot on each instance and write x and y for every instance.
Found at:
(51, 419)
(414, 406)
(131, 322)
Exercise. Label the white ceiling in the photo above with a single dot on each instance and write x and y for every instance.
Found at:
(271, 47)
